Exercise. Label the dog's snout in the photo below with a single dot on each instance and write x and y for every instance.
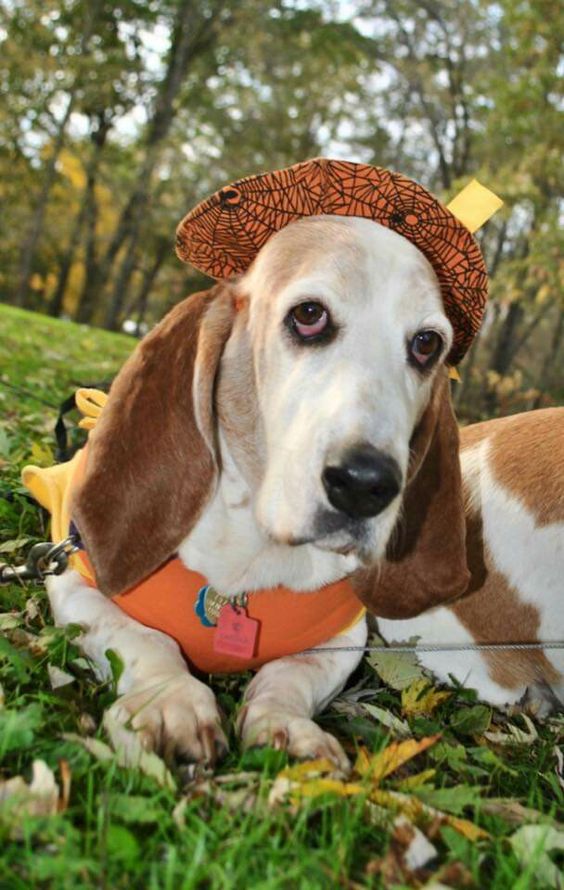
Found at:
(363, 482)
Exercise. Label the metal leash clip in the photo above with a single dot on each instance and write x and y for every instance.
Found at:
(43, 559)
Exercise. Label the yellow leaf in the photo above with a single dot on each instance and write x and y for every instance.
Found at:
(416, 811)
(466, 828)
(416, 780)
(377, 766)
(301, 772)
(421, 698)
(316, 787)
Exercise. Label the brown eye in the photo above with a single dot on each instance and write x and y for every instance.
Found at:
(309, 319)
(425, 347)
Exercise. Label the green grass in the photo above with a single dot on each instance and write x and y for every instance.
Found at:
(120, 829)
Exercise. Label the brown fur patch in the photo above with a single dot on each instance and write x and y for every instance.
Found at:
(151, 466)
(492, 612)
(426, 562)
(526, 457)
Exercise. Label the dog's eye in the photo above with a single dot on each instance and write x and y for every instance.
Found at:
(425, 347)
(309, 319)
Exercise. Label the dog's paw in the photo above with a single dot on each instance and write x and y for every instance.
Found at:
(174, 715)
(259, 725)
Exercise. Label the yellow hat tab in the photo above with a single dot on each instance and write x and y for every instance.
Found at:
(474, 205)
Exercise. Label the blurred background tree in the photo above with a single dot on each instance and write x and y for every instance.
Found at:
(117, 117)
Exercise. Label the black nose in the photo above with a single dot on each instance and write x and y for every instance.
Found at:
(363, 483)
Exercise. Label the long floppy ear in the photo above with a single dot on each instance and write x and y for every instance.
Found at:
(425, 563)
(151, 464)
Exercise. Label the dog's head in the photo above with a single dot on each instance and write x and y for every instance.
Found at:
(322, 371)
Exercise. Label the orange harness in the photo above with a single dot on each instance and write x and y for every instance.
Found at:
(289, 621)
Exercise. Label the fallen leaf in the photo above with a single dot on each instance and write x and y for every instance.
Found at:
(421, 698)
(514, 735)
(13, 545)
(19, 800)
(532, 844)
(377, 766)
(308, 769)
(397, 726)
(58, 678)
(98, 749)
(10, 620)
(416, 811)
(66, 777)
(127, 752)
(416, 781)
(397, 669)
(130, 752)
(317, 787)
(512, 811)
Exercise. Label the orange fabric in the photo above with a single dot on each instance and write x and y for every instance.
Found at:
(223, 234)
(289, 621)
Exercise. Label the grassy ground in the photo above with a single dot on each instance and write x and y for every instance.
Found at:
(88, 822)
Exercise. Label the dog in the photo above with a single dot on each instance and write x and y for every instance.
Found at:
(294, 427)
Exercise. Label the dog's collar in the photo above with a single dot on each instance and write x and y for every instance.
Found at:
(209, 603)
(223, 234)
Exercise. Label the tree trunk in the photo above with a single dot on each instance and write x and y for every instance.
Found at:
(191, 37)
(148, 281)
(547, 375)
(31, 240)
(98, 138)
(90, 291)
(503, 351)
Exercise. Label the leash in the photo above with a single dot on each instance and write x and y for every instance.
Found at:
(455, 647)
(46, 559)
(43, 559)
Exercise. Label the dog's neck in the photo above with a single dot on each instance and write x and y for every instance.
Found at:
(229, 548)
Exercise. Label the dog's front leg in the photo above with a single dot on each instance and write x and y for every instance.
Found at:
(172, 711)
(285, 694)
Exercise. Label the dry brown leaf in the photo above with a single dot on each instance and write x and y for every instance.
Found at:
(512, 811)
(66, 778)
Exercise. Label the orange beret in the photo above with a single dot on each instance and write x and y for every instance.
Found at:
(224, 233)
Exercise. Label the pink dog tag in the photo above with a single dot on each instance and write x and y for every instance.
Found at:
(236, 633)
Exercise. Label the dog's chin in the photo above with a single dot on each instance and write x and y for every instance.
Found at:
(345, 546)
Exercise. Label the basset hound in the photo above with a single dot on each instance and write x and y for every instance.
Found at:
(292, 430)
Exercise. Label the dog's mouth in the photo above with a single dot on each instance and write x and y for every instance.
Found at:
(335, 533)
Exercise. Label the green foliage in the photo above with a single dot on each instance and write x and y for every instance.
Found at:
(121, 827)
(123, 115)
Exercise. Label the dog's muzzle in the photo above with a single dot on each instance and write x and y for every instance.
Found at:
(363, 482)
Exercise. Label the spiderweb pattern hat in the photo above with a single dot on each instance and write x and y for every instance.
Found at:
(224, 233)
